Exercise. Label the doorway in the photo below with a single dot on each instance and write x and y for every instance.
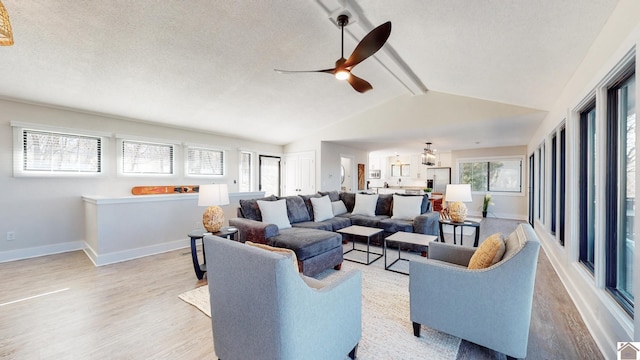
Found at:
(269, 175)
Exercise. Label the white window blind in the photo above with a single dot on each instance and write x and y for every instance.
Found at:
(52, 152)
(201, 161)
(146, 158)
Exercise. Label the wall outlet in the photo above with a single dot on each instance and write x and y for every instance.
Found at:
(11, 235)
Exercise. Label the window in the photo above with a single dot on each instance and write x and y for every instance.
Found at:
(146, 158)
(562, 191)
(620, 189)
(532, 186)
(202, 161)
(587, 185)
(245, 168)
(499, 175)
(554, 185)
(540, 193)
(59, 153)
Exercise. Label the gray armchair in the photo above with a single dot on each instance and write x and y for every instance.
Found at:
(262, 308)
(490, 307)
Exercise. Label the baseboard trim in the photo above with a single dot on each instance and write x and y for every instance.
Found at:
(126, 255)
(32, 252)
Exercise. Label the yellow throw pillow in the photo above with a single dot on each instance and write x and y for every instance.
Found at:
(488, 253)
(283, 251)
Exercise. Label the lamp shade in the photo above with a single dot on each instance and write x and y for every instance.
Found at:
(458, 192)
(213, 194)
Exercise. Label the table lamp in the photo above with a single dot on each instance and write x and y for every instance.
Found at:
(457, 195)
(213, 195)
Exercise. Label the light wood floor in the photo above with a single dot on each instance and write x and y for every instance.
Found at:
(131, 310)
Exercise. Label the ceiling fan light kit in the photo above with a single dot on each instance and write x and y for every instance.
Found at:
(368, 46)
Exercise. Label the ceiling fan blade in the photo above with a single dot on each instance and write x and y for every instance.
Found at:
(328, 71)
(358, 84)
(370, 44)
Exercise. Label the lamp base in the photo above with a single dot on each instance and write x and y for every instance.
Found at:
(458, 211)
(213, 218)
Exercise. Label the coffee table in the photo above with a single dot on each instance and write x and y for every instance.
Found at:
(400, 238)
(363, 232)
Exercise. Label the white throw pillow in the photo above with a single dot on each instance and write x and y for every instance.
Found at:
(365, 205)
(406, 207)
(338, 207)
(275, 212)
(321, 208)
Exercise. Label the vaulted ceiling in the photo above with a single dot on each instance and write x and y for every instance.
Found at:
(209, 65)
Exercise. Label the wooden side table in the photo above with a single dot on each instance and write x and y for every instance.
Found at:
(200, 269)
(455, 225)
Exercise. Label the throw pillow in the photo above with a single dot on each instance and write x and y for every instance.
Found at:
(488, 253)
(406, 207)
(286, 252)
(365, 205)
(275, 212)
(338, 207)
(321, 208)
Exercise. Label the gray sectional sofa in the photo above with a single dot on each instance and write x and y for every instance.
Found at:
(316, 243)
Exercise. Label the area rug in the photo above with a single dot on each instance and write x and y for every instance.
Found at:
(387, 332)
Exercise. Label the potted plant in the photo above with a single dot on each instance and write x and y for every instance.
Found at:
(427, 191)
(485, 205)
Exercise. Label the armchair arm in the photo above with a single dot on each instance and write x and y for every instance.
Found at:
(455, 254)
(427, 223)
(254, 231)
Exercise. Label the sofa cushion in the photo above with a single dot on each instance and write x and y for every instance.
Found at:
(488, 253)
(296, 209)
(333, 195)
(322, 209)
(394, 225)
(322, 225)
(370, 221)
(338, 207)
(384, 204)
(349, 200)
(285, 252)
(275, 212)
(406, 207)
(251, 210)
(426, 203)
(307, 202)
(365, 205)
(306, 242)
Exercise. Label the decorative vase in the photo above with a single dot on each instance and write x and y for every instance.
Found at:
(484, 214)
(458, 211)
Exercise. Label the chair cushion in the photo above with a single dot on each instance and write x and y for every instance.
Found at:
(322, 209)
(275, 212)
(406, 207)
(365, 205)
(306, 242)
(384, 204)
(333, 195)
(488, 253)
(338, 207)
(286, 252)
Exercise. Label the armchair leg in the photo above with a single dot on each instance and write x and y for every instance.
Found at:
(416, 329)
(338, 267)
(353, 352)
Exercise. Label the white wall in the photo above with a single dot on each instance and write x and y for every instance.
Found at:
(607, 322)
(46, 213)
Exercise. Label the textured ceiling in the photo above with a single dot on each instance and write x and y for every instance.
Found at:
(208, 65)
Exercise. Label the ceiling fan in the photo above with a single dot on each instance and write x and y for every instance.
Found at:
(368, 46)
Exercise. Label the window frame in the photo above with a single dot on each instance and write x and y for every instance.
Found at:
(251, 170)
(489, 160)
(121, 160)
(613, 184)
(222, 152)
(19, 129)
(586, 176)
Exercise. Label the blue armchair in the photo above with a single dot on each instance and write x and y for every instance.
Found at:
(262, 308)
(490, 307)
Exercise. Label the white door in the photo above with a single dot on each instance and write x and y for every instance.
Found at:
(300, 173)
